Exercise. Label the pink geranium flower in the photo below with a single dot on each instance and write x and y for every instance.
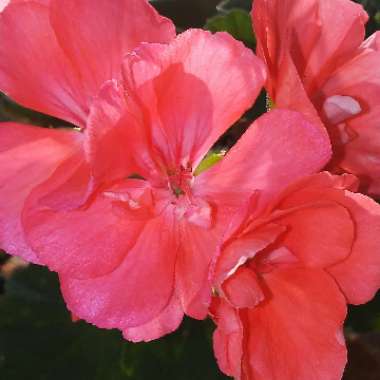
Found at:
(117, 210)
(54, 56)
(284, 276)
(318, 64)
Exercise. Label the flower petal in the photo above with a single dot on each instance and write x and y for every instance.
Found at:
(197, 249)
(67, 49)
(96, 35)
(297, 333)
(228, 337)
(308, 223)
(135, 293)
(243, 289)
(190, 93)
(82, 243)
(167, 322)
(319, 34)
(37, 74)
(243, 248)
(357, 136)
(372, 42)
(359, 274)
(282, 147)
(115, 131)
(28, 156)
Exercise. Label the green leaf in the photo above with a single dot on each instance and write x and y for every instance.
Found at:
(237, 22)
(231, 4)
(377, 17)
(210, 160)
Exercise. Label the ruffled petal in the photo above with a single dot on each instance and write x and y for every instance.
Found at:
(243, 248)
(67, 49)
(243, 289)
(359, 274)
(165, 323)
(282, 146)
(86, 242)
(28, 156)
(197, 249)
(356, 134)
(115, 131)
(319, 34)
(38, 74)
(95, 36)
(306, 225)
(137, 292)
(228, 337)
(192, 90)
(372, 42)
(296, 334)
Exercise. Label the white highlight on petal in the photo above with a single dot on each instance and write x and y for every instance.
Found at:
(241, 262)
(3, 4)
(338, 108)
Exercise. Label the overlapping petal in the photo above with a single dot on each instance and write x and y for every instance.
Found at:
(67, 49)
(165, 323)
(228, 337)
(281, 145)
(358, 274)
(28, 156)
(191, 95)
(319, 35)
(137, 292)
(319, 64)
(356, 134)
(301, 318)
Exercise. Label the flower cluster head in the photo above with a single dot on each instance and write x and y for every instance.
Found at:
(265, 242)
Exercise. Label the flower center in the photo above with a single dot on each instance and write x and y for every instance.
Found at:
(179, 180)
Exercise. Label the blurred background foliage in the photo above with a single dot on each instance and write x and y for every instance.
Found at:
(39, 341)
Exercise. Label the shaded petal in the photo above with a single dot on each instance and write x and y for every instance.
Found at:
(228, 337)
(356, 137)
(243, 248)
(67, 49)
(37, 74)
(96, 35)
(165, 323)
(82, 243)
(318, 34)
(197, 249)
(359, 274)
(296, 333)
(28, 156)
(190, 94)
(135, 293)
(319, 234)
(372, 42)
(282, 147)
(243, 289)
(115, 132)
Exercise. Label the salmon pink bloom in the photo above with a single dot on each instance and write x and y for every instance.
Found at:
(284, 276)
(116, 209)
(54, 57)
(318, 64)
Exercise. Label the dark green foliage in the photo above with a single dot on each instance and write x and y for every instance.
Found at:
(236, 22)
(38, 341)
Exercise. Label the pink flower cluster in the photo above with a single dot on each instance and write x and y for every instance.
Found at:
(265, 243)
